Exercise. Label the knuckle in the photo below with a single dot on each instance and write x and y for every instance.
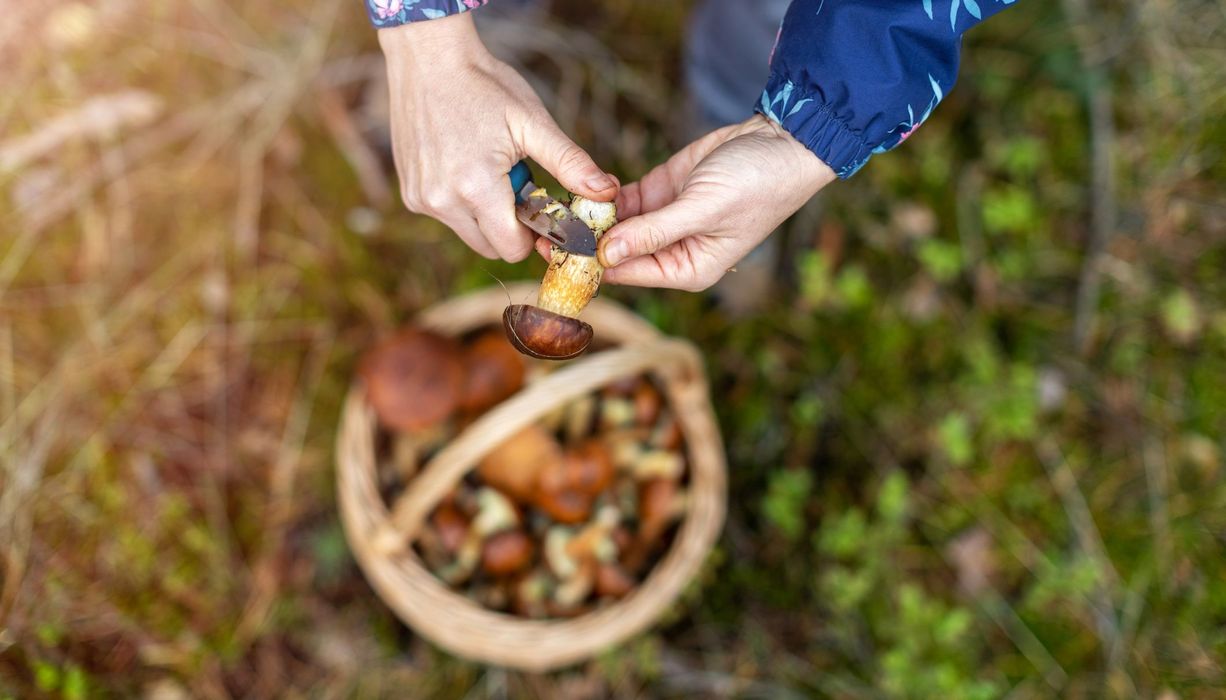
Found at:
(469, 190)
(434, 200)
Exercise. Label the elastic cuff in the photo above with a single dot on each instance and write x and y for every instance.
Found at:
(393, 13)
(812, 123)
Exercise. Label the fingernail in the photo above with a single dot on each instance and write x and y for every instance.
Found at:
(600, 184)
(616, 251)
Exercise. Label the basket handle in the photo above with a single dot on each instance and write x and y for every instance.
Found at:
(676, 362)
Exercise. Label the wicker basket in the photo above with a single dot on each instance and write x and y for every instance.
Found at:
(381, 538)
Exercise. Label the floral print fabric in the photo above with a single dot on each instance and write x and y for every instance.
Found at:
(849, 78)
(390, 13)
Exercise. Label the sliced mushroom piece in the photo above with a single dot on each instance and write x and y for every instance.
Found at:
(616, 413)
(531, 594)
(495, 513)
(659, 464)
(574, 591)
(464, 564)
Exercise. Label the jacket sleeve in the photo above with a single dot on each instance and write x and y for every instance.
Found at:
(850, 78)
(391, 13)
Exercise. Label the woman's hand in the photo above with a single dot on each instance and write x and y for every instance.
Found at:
(460, 119)
(693, 218)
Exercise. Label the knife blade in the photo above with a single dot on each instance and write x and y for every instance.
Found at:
(547, 216)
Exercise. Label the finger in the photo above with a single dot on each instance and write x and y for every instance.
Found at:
(470, 233)
(629, 201)
(645, 271)
(651, 271)
(544, 248)
(651, 232)
(546, 143)
(493, 205)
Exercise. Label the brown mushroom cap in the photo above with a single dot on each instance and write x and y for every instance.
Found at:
(413, 379)
(557, 496)
(612, 581)
(506, 553)
(545, 335)
(589, 468)
(514, 465)
(451, 527)
(495, 371)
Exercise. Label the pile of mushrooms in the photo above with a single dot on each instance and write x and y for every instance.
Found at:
(568, 514)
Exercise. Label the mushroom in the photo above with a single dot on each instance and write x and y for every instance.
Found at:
(450, 526)
(667, 435)
(616, 412)
(647, 404)
(413, 379)
(494, 514)
(551, 330)
(660, 503)
(495, 371)
(559, 500)
(589, 467)
(506, 553)
(531, 593)
(566, 490)
(658, 464)
(575, 556)
(514, 467)
(612, 581)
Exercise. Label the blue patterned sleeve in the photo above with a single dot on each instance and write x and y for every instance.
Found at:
(850, 78)
(391, 13)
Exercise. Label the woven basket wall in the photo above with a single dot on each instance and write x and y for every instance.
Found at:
(381, 538)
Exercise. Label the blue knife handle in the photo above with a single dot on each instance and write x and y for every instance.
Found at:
(520, 176)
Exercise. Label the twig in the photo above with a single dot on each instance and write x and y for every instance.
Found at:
(98, 118)
(1102, 176)
(361, 157)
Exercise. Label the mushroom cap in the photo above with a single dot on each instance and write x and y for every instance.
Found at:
(545, 335)
(514, 465)
(589, 467)
(495, 371)
(506, 553)
(413, 379)
(612, 581)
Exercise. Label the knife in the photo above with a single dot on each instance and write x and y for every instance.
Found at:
(547, 216)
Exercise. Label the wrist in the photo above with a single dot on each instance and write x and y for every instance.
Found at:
(432, 39)
(814, 170)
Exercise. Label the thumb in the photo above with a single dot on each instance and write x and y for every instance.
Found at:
(548, 145)
(648, 233)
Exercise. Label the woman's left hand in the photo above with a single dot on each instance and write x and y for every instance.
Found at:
(690, 220)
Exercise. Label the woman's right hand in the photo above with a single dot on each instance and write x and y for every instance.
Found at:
(460, 119)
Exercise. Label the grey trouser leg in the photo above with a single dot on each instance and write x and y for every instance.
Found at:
(727, 53)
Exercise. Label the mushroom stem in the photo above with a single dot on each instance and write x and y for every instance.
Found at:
(572, 280)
